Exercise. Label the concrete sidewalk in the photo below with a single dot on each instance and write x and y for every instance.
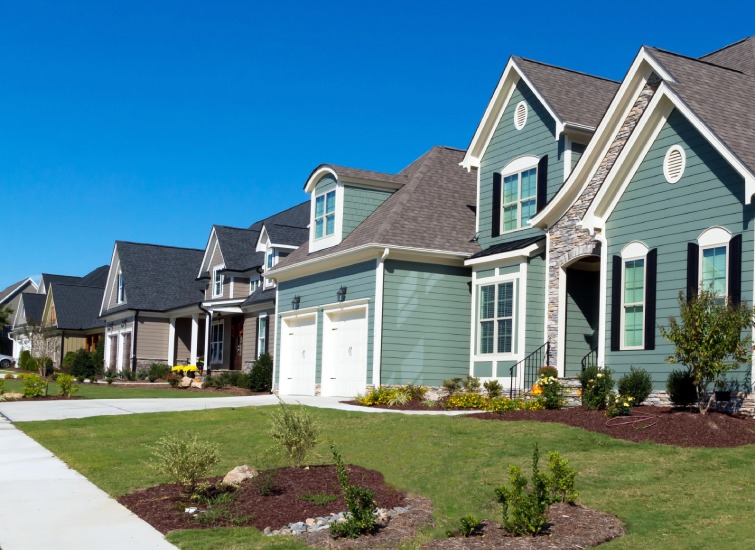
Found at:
(44, 504)
(20, 411)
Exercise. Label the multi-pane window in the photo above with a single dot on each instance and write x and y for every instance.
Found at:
(217, 283)
(254, 284)
(216, 343)
(519, 199)
(497, 318)
(634, 303)
(713, 272)
(262, 336)
(325, 214)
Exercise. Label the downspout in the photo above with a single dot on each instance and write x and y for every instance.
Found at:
(133, 341)
(208, 367)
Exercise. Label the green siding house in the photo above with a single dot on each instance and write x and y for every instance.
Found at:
(379, 294)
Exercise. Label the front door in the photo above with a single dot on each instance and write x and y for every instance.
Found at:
(237, 342)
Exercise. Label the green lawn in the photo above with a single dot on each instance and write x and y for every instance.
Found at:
(669, 497)
(105, 391)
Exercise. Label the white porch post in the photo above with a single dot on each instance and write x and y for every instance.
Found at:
(172, 342)
(194, 337)
(207, 325)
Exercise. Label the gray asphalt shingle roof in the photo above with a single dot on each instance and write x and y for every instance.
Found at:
(722, 97)
(13, 289)
(575, 97)
(237, 246)
(286, 234)
(508, 246)
(296, 216)
(434, 210)
(159, 278)
(77, 307)
(739, 56)
(260, 295)
(33, 306)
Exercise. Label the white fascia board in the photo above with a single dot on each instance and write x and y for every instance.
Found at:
(286, 246)
(207, 256)
(225, 309)
(211, 304)
(525, 252)
(317, 175)
(634, 81)
(106, 295)
(356, 255)
(374, 184)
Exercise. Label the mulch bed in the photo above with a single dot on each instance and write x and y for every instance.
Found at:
(569, 527)
(664, 425)
(413, 405)
(163, 506)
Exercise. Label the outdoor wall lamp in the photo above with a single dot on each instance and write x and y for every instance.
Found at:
(341, 294)
(295, 302)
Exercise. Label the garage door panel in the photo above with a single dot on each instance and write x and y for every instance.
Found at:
(344, 353)
(298, 355)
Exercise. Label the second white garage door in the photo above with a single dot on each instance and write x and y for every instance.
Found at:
(344, 355)
(298, 355)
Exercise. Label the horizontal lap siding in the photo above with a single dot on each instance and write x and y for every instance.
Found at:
(537, 138)
(667, 217)
(152, 339)
(358, 204)
(320, 290)
(535, 320)
(425, 323)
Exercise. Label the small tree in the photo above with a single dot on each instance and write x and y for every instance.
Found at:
(5, 313)
(294, 430)
(710, 339)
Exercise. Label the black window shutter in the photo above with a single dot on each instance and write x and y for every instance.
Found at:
(651, 271)
(616, 304)
(735, 270)
(693, 265)
(542, 183)
(496, 223)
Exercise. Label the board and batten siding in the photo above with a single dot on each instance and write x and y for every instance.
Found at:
(667, 217)
(537, 138)
(425, 323)
(152, 339)
(320, 290)
(358, 204)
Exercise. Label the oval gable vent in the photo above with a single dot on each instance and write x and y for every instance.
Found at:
(673, 164)
(520, 115)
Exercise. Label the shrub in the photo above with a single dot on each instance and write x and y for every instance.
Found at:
(142, 374)
(2, 386)
(67, 364)
(34, 385)
(109, 380)
(523, 510)
(9, 376)
(261, 377)
(26, 361)
(546, 371)
(551, 392)
(157, 371)
(493, 387)
(174, 379)
(66, 386)
(184, 459)
(44, 365)
(82, 364)
(680, 386)
(452, 385)
(265, 483)
(597, 385)
(98, 357)
(619, 405)
(637, 384)
(471, 384)
(294, 431)
(80, 379)
(416, 393)
(360, 503)
(469, 526)
(561, 479)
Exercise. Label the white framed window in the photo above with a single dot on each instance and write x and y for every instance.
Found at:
(254, 284)
(261, 335)
(496, 318)
(217, 282)
(713, 260)
(121, 296)
(325, 214)
(270, 258)
(519, 199)
(216, 343)
(633, 285)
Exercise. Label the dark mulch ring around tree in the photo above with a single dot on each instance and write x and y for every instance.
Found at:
(664, 425)
(163, 506)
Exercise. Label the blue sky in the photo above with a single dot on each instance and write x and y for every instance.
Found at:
(151, 121)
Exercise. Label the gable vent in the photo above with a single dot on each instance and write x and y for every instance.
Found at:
(674, 163)
(520, 115)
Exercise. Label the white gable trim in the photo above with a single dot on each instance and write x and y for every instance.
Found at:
(317, 175)
(637, 76)
(643, 137)
(114, 268)
(207, 256)
(494, 112)
(263, 241)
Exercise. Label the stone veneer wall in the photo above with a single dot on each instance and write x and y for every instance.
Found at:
(566, 240)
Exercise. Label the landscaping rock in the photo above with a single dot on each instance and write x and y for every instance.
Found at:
(239, 474)
(185, 382)
(197, 384)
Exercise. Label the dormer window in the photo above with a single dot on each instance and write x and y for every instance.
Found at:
(270, 259)
(325, 214)
(121, 297)
(217, 283)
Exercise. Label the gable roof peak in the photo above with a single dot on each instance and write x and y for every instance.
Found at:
(565, 69)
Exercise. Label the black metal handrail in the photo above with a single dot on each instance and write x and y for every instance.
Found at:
(591, 359)
(531, 364)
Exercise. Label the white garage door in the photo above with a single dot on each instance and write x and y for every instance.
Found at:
(344, 357)
(298, 355)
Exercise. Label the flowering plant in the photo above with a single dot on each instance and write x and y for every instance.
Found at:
(619, 405)
(185, 368)
(551, 392)
(597, 385)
